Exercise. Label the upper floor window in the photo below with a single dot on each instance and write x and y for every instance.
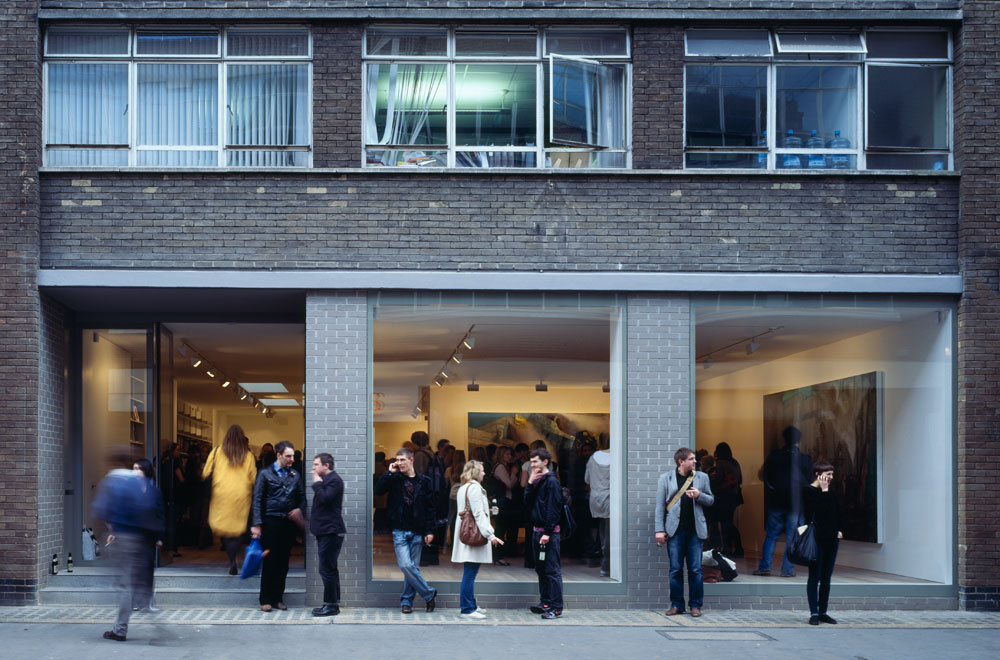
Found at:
(798, 99)
(496, 97)
(177, 97)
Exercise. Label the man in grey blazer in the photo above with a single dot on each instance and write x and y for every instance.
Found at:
(680, 523)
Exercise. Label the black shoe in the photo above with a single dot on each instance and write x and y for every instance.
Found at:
(431, 604)
(761, 571)
(326, 610)
(814, 621)
(111, 634)
(501, 562)
(407, 609)
(539, 609)
(551, 614)
(233, 570)
(826, 618)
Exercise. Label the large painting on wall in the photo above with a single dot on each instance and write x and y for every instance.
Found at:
(841, 422)
(562, 432)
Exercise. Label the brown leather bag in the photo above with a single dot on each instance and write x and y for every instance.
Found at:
(468, 531)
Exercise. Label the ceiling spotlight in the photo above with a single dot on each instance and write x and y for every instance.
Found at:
(196, 361)
(752, 347)
(456, 358)
(243, 394)
(226, 382)
(472, 387)
(416, 412)
(182, 350)
(444, 373)
(469, 342)
(439, 381)
(541, 387)
(211, 372)
(265, 410)
(606, 388)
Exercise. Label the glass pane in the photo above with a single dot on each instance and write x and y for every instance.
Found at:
(732, 43)
(588, 103)
(819, 42)
(911, 45)
(820, 98)
(496, 159)
(401, 158)
(495, 104)
(726, 105)
(907, 161)
(87, 103)
(407, 41)
(268, 104)
(166, 42)
(258, 158)
(406, 104)
(585, 159)
(499, 43)
(800, 161)
(596, 43)
(908, 107)
(867, 383)
(723, 161)
(267, 43)
(87, 41)
(86, 157)
(178, 104)
(177, 159)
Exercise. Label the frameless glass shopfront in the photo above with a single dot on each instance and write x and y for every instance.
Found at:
(490, 372)
(868, 381)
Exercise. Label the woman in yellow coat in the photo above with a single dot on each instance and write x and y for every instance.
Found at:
(234, 472)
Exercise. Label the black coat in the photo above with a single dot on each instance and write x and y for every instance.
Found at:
(328, 499)
(423, 521)
(276, 496)
(544, 500)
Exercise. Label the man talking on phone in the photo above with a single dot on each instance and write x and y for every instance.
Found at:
(411, 514)
(543, 498)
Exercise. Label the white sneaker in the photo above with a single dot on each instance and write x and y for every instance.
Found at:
(473, 615)
(481, 610)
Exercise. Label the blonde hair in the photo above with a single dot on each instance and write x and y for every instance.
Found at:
(471, 471)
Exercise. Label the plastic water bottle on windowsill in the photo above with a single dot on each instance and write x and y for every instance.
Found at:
(791, 161)
(840, 161)
(816, 161)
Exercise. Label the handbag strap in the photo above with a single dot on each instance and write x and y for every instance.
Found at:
(680, 491)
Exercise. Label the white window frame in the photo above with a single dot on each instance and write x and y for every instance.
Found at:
(222, 148)
(542, 96)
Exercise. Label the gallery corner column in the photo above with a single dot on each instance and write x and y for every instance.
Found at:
(337, 420)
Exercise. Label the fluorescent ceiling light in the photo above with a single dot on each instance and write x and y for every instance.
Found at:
(264, 387)
(280, 402)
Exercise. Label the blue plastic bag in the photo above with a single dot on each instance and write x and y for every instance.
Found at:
(253, 560)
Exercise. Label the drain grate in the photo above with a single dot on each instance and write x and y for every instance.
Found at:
(716, 636)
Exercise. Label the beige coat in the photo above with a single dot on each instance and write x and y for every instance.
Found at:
(461, 553)
(232, 488)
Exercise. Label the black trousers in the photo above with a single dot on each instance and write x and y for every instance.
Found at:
(277, 535)
(328, 547)
(549, 570)
(820, 572)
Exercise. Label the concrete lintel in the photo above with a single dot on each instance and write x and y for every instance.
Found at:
(451, 280)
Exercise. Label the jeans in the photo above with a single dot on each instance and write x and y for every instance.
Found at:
(328, 547)
(819, 576)
(685, 546)
(467, 594)
(408, 546)
(776, 522)
(549, 571)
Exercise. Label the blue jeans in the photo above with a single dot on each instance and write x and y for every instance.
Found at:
(778, 522)
(685, 546)
(467, 594)
(408, 546)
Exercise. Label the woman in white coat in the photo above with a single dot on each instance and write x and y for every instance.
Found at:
(472, 496)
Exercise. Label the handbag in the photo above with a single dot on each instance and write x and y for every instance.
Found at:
(802, 550)
(253, 560)
(468, 531)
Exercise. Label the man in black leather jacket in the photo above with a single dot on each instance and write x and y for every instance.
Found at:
(278, 499)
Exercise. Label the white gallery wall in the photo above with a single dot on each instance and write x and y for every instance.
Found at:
(917, 513)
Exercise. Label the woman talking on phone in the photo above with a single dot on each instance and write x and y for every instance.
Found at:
(820, 504)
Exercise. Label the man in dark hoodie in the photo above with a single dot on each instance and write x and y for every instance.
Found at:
(543, 499)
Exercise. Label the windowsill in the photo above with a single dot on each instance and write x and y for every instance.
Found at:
(403, 171)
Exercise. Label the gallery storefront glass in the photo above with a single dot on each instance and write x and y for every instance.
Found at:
(869, 383)
(490, 372)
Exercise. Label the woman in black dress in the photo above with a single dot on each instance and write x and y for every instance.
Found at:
(820, 504)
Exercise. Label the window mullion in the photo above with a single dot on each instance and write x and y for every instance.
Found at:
(451, 116)
(772, 118)
(222, 72)
(132, 110)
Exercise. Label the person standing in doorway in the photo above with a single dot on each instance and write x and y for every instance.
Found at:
(785, 472)
(327, 524)
(598, 478)
(233, 473)
(278, 500)
(411, 514)
(543, 499)
(681, 495)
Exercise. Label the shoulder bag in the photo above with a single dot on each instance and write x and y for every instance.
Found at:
(802, 549)
(468, 531)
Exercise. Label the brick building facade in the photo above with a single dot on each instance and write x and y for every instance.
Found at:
(659, 237)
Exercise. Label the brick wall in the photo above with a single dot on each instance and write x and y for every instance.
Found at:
(978, 151)
(337, 95)
(52, 363)
(626, 222)
(657, 96)
(20, 133)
